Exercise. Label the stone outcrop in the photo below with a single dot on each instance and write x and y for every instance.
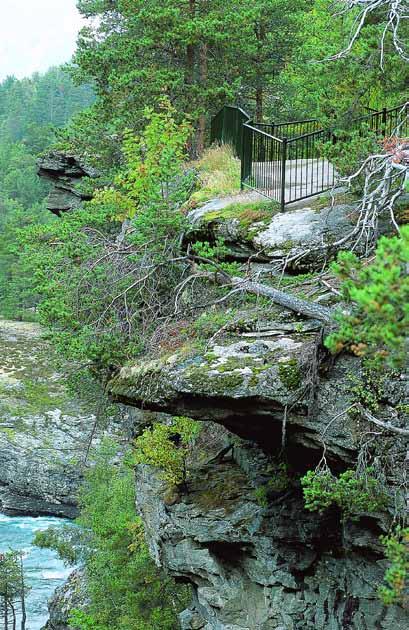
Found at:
(303, 236)
(64, 172)
(252, 567)
(71, 595)
(261, 562)
(44, 431)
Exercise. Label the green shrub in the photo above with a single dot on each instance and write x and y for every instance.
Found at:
(378, 322)
(353, 494)
(279, 482)
(168, 446)
(96, 302)
(351, 149)
(397, 575)
(126, 591)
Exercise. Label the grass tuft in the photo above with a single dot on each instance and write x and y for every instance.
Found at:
(219, 173)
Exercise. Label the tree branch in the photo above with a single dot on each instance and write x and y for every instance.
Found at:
(380, 423)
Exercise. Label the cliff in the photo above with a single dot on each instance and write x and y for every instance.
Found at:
(267, 392)
(273, 405)
(44, 431)
(272, 565)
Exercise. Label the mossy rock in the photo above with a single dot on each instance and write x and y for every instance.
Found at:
(290, 374)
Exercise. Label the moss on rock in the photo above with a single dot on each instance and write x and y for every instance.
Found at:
(289, 374)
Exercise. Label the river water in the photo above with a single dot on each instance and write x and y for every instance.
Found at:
(44, 571)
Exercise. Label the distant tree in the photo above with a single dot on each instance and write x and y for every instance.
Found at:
(13, 589)
(31, 110)
(200, 53)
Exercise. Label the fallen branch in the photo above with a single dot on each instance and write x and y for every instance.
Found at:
(291, 302)
(286, 300)
(393, 12)
(380, 423)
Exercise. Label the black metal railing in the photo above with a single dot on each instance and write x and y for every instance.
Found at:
(386, 122)
(285, 162)
(286, 169)
(227, 127)
(290, 129)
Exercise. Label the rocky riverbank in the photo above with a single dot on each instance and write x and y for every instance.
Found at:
(272, 403)
(45, 432)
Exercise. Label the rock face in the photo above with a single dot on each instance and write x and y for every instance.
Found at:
(303, 236)
(69, 596)
(64, 172)
(261, 562)
(263, 568)
(44, 431)
(247, 384)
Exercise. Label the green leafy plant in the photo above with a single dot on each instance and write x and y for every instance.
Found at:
(215, 253)
(168, 446)
(210, 322)
(352, 493)
(367, 388)
(124, 589)
(396, 546)
(289, 373)
(279, 482)
(377, 325)
(350, 150)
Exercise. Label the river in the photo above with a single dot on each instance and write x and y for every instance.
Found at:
(43, 570)
(44, 434)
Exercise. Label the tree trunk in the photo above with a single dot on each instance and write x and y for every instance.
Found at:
(203, 74)
(13, 611)
(23, 596)
(259, 103)
(260, 29)
(293, 303)
(6, 611)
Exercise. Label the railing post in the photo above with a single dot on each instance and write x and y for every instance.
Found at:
(283, 165)
(246, 154)
(384, 118)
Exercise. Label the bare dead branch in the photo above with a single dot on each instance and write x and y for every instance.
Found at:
(380, 423)
(394, 12)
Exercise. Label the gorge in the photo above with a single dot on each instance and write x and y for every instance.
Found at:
(204, 289)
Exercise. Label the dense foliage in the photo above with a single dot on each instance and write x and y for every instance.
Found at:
(312, 85)
(31, 111)
(125, 589)
(200, 54)
(267, 56)
(396, 588)
(113, 278)
(13, 589)
(351, 492)
(168, 446)
(100, 293)
(378, 323)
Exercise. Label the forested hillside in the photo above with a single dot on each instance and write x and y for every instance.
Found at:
(268, 57)
(256, 348)
(32, 111)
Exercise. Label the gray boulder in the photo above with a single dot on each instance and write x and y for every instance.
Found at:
(71, 595)
(64, 172)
